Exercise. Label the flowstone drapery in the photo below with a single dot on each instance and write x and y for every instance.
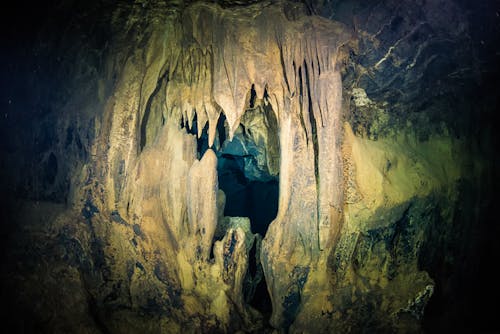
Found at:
(194, 67)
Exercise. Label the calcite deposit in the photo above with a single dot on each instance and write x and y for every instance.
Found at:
(201, 64)
(258, 167)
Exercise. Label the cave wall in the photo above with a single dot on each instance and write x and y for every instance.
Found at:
(377, 158)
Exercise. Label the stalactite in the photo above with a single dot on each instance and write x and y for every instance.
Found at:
(224, 54)
(232, 166)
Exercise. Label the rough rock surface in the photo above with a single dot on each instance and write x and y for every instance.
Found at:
(289, 63)
(361, 110)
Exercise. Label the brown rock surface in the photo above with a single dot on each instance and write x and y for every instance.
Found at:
(370, 196)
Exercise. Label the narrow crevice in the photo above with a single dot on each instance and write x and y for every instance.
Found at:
(256, 292)
(284, 69)
(301, 92)
(314, 130)
(253, 97)
(319, 64)
(266, 95)
(221, 129)
(301, 100)
(254, 273)
(252, 261)
(147, 112)
(202, 141)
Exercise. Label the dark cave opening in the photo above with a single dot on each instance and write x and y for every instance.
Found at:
(247, 168)
(202, 141)
(256, 293)
(251, 191)
(257, 200)
(247, 164)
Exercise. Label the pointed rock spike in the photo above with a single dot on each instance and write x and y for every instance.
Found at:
(202, 120)
(213, 118)
(259, 90)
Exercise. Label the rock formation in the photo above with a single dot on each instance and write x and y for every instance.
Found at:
(189, 105)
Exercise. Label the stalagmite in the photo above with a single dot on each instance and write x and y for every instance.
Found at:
(202, 199)
(295, 62)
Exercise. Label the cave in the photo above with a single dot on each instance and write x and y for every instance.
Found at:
(251, 189)
(229, 166)
(252, 198)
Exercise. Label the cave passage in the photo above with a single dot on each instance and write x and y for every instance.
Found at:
(255, 199)
(250, 191)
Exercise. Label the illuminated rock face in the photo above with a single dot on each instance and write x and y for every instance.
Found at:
(212, 63)
(200, 103)
(257, 64)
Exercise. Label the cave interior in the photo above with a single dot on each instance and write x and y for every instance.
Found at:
(261, 166)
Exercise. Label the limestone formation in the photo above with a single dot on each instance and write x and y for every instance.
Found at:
(270, 93)
(156, 181)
